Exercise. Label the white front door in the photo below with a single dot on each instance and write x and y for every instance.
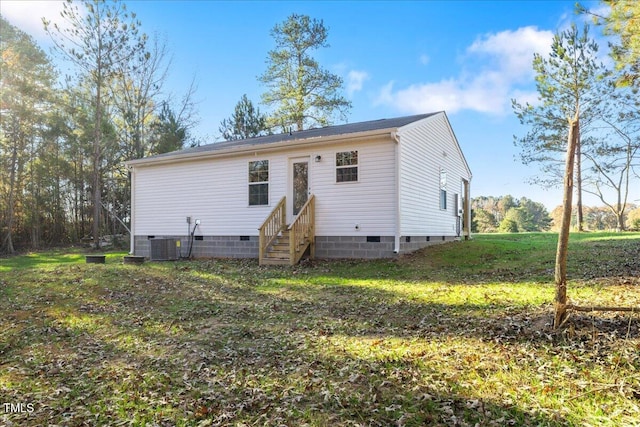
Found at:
(298, 192)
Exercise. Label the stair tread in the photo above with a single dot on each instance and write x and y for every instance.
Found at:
(275, 261)
(277, 255)
(279, 251)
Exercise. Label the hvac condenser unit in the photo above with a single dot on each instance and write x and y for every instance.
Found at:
(164, 249)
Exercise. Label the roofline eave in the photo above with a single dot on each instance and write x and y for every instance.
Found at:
(178, 157)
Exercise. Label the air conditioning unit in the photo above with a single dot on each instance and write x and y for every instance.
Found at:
(164, 249)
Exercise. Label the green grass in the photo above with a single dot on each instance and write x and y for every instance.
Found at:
(52, 259)
(457, 334)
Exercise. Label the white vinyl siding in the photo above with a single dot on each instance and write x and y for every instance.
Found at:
(428, 148)
(368, 203)
(215, 191)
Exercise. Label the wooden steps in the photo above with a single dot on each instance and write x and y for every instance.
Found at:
(278, 252)
(282, 244)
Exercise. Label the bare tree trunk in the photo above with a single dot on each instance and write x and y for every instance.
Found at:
(563, 236)
(34, 204)
(579, 213)
(620, 219)
(97, 199)
(76, 204)
(7, 244)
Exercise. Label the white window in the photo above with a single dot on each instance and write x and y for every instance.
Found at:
(347, 166)
(443, 189)
(259, 183)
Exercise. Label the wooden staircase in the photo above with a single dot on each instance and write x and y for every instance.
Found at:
(285, 245)
(278, 253)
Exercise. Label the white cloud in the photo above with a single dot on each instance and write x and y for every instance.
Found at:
(526, 97)
(599, 9)
(495, 67)
(385, 96)
(27, 15)
(449, 95)
(355, 80)
(424, 59)
(513, 50)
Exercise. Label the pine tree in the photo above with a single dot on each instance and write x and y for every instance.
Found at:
(565, 82)
(303, 93)
(26, 90)
(623, 21)
(246, 122)
(98, 42)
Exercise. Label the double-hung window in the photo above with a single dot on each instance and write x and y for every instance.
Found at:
(443, 189)
(259, 183)
(347, 166)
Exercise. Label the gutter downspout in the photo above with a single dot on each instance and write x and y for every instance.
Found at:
(396, 245)
(132, 233)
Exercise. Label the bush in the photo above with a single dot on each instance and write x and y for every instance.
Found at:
(633, 219)
(508, 225)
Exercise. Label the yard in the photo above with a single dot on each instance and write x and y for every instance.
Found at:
(457, 334)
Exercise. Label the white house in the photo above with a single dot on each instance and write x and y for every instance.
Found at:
(360, 190)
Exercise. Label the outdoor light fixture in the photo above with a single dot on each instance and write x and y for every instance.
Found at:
(318, 158)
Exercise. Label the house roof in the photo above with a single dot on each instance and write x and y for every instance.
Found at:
(349, 128)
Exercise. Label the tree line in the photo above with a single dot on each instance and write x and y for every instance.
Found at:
(63, 145)
(63, 142)
(507, 214)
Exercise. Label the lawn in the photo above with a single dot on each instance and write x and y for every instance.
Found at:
(457, 334)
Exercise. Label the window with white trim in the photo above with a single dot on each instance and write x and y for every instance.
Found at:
(347, 166)
(259, 183)
(443, 189)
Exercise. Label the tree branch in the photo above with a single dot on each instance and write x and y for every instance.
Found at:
(602, 308)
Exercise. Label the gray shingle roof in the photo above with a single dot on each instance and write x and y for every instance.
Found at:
(304, 134)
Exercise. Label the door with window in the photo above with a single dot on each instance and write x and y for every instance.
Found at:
(299, 184)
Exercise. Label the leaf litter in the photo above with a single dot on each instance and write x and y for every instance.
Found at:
(348, 343)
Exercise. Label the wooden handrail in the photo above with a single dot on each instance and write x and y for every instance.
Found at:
(271, 227)
(302, 232)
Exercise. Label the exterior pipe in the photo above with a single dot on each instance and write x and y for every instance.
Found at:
(132, 233)
(396, 245)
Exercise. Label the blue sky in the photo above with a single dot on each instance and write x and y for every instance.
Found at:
(469, 58)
